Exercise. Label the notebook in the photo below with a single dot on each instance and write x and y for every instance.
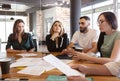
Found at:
(56, 78)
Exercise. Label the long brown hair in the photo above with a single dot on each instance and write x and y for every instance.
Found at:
(62, 29)
(15, 29)
(112, 21)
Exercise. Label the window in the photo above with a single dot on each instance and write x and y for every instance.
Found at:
(7, 26)
(95, 9)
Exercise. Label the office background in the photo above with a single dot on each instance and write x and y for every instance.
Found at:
(38, 15)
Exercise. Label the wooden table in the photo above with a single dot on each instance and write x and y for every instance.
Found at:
(14, 75)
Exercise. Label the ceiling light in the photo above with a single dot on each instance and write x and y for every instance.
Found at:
(6, 6)
(11, 18)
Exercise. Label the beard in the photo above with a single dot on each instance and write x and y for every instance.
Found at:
(83, 30)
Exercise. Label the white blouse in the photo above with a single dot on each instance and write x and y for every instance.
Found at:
(114, 68)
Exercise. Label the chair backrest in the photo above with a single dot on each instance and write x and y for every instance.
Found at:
(36, 45)
(0, 44)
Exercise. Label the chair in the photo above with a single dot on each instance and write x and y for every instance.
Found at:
(35, 41)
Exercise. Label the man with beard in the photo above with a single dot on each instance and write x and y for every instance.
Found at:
(86, 37)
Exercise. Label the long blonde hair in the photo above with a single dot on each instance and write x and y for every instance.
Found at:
(62, 29)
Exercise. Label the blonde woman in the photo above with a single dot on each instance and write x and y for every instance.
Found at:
(57, 40)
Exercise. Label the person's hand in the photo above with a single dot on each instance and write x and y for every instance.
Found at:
(81, 68)
(81, 56)
(64, 51)
(23, 50)
(78, 56)
(55, 35)
(76, 78)
(69, 51)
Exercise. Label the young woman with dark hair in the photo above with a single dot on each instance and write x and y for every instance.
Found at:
(19, 41)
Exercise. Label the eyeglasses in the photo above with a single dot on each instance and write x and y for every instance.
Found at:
(100, 22)
(82, 23)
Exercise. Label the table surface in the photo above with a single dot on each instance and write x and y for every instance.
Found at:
(14, 75)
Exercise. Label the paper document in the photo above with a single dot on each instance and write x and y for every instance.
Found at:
(67, 70)
(27, 62)
(35, 66)
(34, 70)
(27, 54)
(32, 62)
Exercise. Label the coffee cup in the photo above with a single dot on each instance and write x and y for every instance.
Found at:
(5, 65)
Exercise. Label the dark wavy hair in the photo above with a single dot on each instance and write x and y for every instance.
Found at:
(85, 17)
(112, 21)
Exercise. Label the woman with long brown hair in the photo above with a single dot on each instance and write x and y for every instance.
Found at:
(19, 40)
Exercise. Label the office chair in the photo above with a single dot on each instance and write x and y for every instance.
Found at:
(35, 43)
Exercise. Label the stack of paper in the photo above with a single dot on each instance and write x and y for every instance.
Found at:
(36, 66)
(67, 70)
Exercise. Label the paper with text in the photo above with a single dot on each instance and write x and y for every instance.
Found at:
(62, 66)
